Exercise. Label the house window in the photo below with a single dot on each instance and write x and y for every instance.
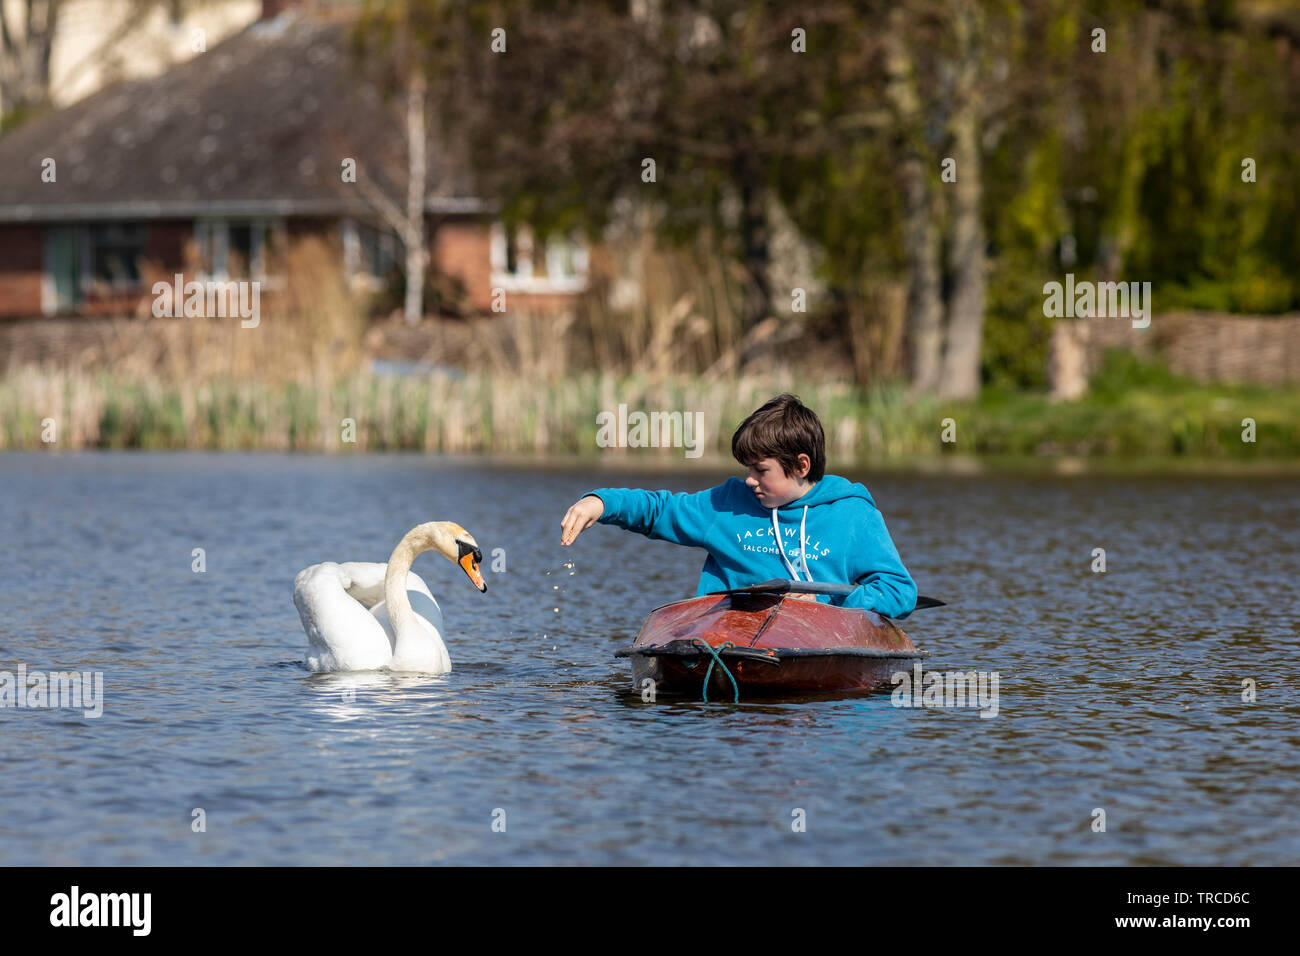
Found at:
(519, 265)
(512, 254)
(239, 248)
(370, 253)
(378, 250)
(565, 259)
(81, 259)
(232, 248)
(114, 251)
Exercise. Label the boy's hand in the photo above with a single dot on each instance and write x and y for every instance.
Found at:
(580, 517)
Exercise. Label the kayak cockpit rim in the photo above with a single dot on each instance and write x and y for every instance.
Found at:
(686, 649)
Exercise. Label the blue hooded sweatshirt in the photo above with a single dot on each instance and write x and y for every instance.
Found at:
(833, 533)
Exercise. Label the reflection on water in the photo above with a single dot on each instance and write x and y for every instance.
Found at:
(1122, 691)
(350, 696)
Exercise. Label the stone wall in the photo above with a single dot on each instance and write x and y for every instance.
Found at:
(1206, 347)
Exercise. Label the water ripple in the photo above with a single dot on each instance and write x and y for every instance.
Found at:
(1123, 691)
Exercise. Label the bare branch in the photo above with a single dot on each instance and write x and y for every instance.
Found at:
(390, 212)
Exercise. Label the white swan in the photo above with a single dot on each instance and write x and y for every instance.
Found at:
(359, 616)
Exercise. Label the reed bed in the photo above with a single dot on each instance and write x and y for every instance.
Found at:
(439, 413)
(480, 413)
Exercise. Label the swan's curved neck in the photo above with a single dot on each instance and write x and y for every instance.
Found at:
(405, 630)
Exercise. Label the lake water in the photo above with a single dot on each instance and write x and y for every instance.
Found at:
(1120, 691)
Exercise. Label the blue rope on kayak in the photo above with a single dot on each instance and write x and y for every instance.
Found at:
(717, 659)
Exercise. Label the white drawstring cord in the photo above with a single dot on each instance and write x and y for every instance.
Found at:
(803, 555)
(780, 546)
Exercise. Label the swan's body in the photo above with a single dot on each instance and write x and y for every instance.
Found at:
(362, 615)
(346, 618)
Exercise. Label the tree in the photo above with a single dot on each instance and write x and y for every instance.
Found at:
(25, 57)
(386, 36)
(925, 312)
(962, 353)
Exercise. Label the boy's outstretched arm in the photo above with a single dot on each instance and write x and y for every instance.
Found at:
(680, 518)
(581, 516)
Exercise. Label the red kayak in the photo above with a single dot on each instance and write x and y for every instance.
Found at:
(762, 640)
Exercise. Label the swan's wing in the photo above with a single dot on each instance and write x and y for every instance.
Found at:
(366, 581)
(427, 613)
(431, 656)
(341, 634)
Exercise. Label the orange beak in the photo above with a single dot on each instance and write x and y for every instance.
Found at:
(470, 567)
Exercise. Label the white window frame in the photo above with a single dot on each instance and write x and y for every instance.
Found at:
(351, 240)
(522, 279)
(213, 238)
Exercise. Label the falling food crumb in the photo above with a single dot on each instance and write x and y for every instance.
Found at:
(555, 587)
(557, 610)
(552, 647)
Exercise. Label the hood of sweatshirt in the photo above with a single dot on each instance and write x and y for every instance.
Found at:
(831, 488)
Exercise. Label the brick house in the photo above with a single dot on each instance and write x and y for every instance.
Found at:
(211, 166)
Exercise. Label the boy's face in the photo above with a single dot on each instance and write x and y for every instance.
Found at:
(773, 486)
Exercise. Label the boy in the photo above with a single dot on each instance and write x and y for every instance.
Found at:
(787, 519)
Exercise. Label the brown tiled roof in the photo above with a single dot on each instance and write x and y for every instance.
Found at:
(259, 124)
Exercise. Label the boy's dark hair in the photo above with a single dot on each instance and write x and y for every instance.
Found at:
(784, 428)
